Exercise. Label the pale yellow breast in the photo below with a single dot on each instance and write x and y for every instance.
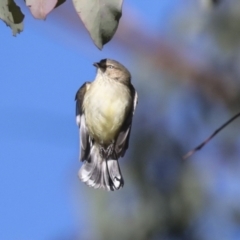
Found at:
(106, 106)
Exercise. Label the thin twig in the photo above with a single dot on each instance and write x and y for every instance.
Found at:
(190, 153)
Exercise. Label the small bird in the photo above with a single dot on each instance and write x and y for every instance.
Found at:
(104, 112)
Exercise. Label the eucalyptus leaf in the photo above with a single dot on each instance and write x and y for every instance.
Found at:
(11, 14)
(41, 8)
(100, 17)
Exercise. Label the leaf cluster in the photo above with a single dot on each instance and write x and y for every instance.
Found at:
(100, 17)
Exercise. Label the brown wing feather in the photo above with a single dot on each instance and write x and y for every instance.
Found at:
(122, 142)
(80, 119)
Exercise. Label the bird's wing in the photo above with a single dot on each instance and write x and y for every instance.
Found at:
(121, 144)
(80, 119)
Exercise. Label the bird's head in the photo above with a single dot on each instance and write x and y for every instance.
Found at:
(113, 70)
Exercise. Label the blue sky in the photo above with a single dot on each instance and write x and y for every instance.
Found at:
(41, 70)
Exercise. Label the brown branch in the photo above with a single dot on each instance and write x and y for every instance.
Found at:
(190, 153)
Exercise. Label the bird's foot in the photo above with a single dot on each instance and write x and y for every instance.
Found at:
(107, 152)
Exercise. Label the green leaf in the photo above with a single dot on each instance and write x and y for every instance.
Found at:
(100, 17)
(41, 8)
(11, 14)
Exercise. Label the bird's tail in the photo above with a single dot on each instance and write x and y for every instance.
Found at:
(101, 173)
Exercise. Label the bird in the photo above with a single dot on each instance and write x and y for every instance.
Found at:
(104, 113)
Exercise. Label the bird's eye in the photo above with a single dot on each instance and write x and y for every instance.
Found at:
(110, 66)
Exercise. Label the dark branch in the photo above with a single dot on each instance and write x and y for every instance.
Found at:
(190, 153)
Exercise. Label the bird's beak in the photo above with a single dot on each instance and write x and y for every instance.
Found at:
(96, 65)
